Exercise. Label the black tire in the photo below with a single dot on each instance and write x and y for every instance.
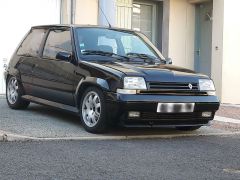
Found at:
(188, 128)
(19, 103)
(101, 125)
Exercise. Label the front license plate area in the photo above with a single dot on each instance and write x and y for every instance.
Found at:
(175, 107)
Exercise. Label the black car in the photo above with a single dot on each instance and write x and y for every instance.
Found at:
(107, 76)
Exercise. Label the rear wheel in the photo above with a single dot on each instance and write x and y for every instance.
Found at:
(93, 111)
(188, 128)
(14, 91)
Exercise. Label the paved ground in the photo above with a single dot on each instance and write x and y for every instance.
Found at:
(229, 111)
(179, 158)
(208, 157)
(44, 122)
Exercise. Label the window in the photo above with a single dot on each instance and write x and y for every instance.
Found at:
(31, 44)
(136, 45)
(107, 44)
(57, 41)
(119, 42)
(144, 19)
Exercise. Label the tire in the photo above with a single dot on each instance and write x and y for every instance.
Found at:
(188, 128)
(93, 111)
(14, 92)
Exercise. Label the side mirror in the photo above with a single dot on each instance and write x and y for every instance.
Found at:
(169, 61)
(65, 56)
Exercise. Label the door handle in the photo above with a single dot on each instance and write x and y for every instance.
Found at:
(198, 52)
(34, 65)
(76, 73)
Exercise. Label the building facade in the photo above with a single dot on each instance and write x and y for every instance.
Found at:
(202, 35)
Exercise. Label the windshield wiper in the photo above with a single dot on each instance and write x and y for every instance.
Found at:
(147, 58)
(105, 53)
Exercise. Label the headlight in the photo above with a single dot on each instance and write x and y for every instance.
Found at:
(134, 83)
(206, 85)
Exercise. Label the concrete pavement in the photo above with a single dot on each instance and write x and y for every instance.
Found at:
(229, 111)
(44, 123)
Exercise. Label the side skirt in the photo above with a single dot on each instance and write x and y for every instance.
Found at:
(51, 103)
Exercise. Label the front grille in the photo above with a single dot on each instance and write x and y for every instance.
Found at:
(176, 92)
(173, 86)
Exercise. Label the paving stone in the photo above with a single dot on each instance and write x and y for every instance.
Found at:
(229, 111)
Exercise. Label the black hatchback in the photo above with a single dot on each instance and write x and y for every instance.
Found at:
(107, 76)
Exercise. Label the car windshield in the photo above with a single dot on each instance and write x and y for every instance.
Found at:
(120, 44)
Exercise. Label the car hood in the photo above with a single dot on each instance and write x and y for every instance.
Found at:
(154, 73)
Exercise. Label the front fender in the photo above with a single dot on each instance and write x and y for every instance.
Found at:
(94, 81)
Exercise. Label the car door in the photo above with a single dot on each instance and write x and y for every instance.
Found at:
(52, 77)
(28, 53)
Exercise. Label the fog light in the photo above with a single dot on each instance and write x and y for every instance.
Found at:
(206, 114)
(133, 114)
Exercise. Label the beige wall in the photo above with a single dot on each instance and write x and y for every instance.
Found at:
(181, 33)
(231, 51)
(217, 45)
(86, 12)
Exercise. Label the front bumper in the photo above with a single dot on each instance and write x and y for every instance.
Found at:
(121, 104)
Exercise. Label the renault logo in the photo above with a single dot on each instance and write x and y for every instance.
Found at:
(190, 86)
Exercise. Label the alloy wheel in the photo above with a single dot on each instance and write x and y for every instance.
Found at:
(91, 109)
(12, 90)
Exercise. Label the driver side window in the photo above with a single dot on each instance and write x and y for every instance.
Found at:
(57, 41)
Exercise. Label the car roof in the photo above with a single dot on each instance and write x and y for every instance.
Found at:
(80, 26)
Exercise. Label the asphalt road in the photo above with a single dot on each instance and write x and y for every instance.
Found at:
(212, 157)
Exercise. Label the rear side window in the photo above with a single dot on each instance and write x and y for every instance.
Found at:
(57, 41)
(31, 44)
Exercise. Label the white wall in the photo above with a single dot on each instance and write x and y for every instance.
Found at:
(231, 53)
(181, 33)
(17, 17)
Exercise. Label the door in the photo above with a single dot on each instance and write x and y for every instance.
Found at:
(144, 19)
(53, 78)
(203, 38)
(28, 53)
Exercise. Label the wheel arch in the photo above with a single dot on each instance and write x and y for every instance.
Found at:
(99, 83)
(14, 73)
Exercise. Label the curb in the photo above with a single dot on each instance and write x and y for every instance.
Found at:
(8, 137)
(232, 125)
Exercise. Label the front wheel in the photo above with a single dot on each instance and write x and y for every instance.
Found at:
(14, 91)
(188, 128)
(93, 111)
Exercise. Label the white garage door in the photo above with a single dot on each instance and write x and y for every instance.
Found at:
(16, 18)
